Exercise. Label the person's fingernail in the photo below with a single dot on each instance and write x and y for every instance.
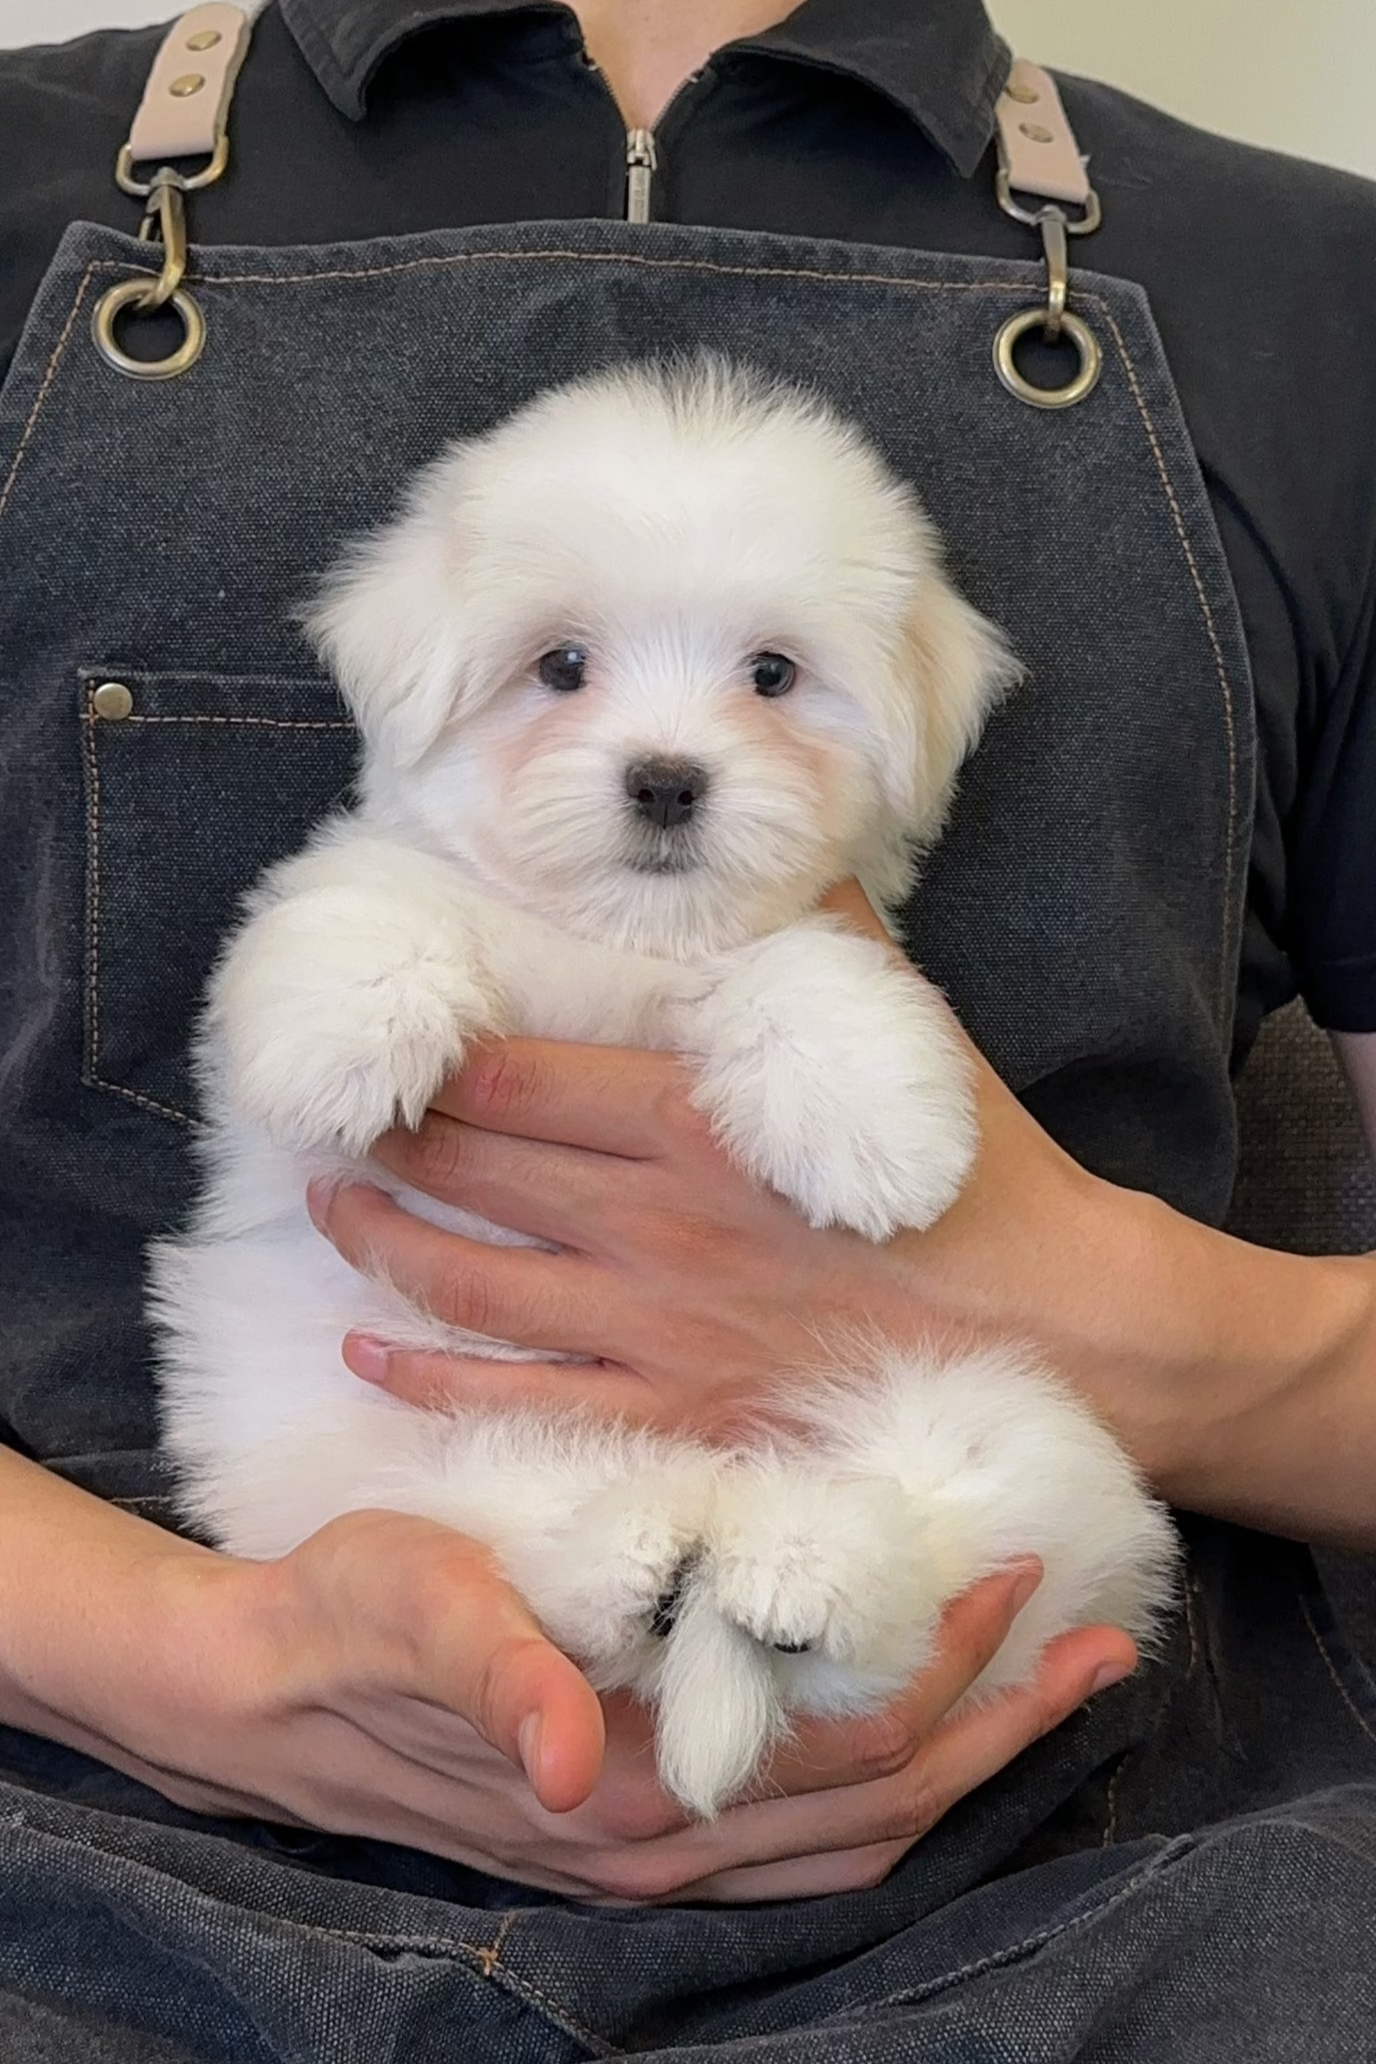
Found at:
(368, 1358)
(1108, 1673)
(528, 1741)
(318, 1203)
(1027, 1583)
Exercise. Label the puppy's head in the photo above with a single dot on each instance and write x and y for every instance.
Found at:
(661, 658)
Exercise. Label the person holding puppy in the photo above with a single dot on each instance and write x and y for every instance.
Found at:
(1160, 838)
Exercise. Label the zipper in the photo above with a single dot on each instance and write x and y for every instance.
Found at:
(641, 163)
(642, 148)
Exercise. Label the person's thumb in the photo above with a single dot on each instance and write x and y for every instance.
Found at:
(464, 1639)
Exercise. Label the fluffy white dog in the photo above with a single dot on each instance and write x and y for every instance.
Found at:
(639, 675)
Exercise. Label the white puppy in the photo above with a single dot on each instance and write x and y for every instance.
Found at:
(639, 675)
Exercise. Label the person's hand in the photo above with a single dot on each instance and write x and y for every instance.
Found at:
(381, 1680)
(686, 1289)
(845, 1800)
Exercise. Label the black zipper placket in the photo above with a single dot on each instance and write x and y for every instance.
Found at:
(642, 146)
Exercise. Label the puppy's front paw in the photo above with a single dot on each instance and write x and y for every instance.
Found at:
(834, 1075)
(330, 1036)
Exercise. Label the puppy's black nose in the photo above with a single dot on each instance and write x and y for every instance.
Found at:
(666, 792)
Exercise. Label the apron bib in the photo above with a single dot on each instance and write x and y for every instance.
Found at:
(167, 733)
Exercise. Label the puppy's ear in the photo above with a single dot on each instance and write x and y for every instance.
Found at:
(958, 667)
(388, 622)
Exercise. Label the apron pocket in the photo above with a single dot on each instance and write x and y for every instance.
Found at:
(195, 782)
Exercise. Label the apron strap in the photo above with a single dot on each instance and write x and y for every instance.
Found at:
(1038, 154)
(184, 112)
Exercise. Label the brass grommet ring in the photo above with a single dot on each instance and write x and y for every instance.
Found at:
(1085, 380)
(129, 294)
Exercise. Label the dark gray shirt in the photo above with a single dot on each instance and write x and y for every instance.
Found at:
(870, 121)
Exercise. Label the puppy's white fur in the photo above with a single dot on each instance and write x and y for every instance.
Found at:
(497, 876)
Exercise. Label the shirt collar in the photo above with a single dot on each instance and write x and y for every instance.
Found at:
(939, 60)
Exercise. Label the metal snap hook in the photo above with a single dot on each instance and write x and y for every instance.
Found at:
(165, 217)
(164, 220)
(140, 293)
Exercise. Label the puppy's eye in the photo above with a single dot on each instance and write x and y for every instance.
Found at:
(563, 669)
(772, 674)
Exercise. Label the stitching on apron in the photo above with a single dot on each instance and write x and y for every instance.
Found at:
(1211, 629)
(495, 1969)
(708, 265)
(59, 350)
(262, 723)
(1110, 1834)
(1039, 1940)
(1343, 1693)
(372, 1938)
(92, 889)
(1191, 1625)
(487, 1956)
(1163, 1710)
(490, 1958)
(147, 1103)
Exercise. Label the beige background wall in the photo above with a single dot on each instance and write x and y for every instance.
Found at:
(1299, 75)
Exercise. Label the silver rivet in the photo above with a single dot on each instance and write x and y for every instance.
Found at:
(113, 700)
(206, 40)
(1035, 132)
(189, 83)
(1024, 94)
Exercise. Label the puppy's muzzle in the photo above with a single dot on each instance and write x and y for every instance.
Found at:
(667, 793)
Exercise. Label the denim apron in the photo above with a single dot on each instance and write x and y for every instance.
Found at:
(167, 733)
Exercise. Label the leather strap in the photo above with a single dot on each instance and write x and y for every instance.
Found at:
(185, 104)
(1037, 147)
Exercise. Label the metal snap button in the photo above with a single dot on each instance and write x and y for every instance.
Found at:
(189, 83)
(206, 40)
(1025, 94)
(1035, 132)
(113, 700)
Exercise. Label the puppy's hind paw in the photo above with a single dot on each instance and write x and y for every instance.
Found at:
(803, 1563)
(611, 1593)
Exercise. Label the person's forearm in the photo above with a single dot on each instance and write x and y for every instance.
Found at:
(79, 1584)
(1244, 1380)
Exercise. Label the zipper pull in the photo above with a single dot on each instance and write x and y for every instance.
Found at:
(641, 164)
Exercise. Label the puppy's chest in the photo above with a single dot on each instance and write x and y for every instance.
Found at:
(602, 998)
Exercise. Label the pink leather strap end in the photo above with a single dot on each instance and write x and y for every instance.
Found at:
(186, 102)
(1037, 147)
